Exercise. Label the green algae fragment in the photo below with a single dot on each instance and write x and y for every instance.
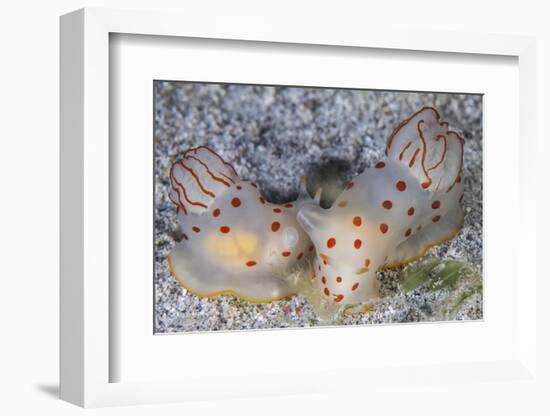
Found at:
(417, 275)
(448, 276)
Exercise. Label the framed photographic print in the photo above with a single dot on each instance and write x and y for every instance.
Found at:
(290, 214)
(315, 232)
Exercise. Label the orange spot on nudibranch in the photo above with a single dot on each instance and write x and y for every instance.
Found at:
(379, 165)
(216, 212)
(384, 228)
(310, 247)
(300, 255)
(425, 185)
(357, 221)
(364, 269)
(436, 218)
(327, 292)
(339, 298)
(196, 229)
(331, 242)
(185, 236)
(339, 279)
(324, 280)
(275, 226)
(436, 204)
(349, 185)
(357, 244)
(285, 253)
(410, 212)
(239, 187)
(408, 232)
(288, 205)
(250, 263)
(236, 202)
(224, 229)
(253, 184)
(262, 200)
(355, 286)
(276, 210)
(401, 186)
(387, 204)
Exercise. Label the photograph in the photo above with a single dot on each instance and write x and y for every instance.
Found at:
(251, 207)
(301, 206)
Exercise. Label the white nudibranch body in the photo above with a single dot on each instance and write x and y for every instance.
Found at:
(391, 213)
(234, 241)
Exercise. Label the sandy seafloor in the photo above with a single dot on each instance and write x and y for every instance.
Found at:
(273, 136)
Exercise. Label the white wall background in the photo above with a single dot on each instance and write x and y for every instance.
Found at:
(29, 56)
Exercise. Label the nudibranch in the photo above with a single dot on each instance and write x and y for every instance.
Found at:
(233, 240)
(391, 213)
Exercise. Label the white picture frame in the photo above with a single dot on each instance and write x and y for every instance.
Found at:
(87, 303)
